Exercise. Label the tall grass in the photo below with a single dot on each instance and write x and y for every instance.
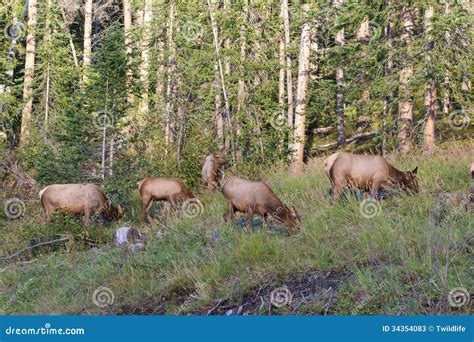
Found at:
(385, 264)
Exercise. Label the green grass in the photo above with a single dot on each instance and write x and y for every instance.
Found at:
(339, 263)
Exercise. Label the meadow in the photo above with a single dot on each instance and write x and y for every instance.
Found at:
(347, 258)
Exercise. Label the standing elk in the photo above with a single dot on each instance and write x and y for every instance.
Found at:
(212, 169)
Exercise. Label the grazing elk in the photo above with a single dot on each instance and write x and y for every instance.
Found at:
(471, 169)
(212, 169)
(78, 199)
(368, 172)
(253, 197)
(171, 190)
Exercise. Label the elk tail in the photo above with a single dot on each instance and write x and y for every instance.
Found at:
(140, 183)
(40, 194)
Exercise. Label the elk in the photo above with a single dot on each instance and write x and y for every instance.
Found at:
(368, 172)
(212, 169)
(170, 190)
(254, 197)
(78, 199)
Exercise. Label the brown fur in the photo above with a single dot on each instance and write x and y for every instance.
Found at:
(212, 169)
(471, 169)
(78, 199)
(162, 189)
(254, 197)
(368, 172)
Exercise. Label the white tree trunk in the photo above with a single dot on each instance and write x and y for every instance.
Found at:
(281, 78)
(86, 61)
(218, 109)
(405, 104)
(388, 66)
(289, 78)
(221, 73)
(341, 135)
(29, 72)
(301, 97)
(429, 92)
(104, 133)
(145, 54)
(48, 66)
(241, 83)
(171, 71)
(127, 26)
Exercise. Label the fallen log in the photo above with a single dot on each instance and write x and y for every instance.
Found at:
(355, 138)
(323, 130)
(8, 257)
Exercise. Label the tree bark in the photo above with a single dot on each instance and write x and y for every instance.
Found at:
(341, 135)
(127, 26)
(221, 73)
(301, 97)
(29, 72)
(429, 93)
(218, 107)
(241, 83)
(145, 53)
(405, 104)
(446, 85)
(281, 78)
(289, 79)
(48, 66)
(388, 66)
(171, 71)
(86, 59)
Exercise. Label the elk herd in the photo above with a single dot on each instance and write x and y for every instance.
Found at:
(344, 170)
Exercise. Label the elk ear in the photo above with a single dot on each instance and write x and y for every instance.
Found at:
(415, 170)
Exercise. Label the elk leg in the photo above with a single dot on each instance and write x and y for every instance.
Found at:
(172, 201)
(87, 215)
(336, 193)
(47, 214)
(229, 213)
(376, 186)
(146, 204)
(266, 224)
(249, 218)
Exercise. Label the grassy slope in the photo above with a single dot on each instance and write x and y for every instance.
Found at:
(340, 262)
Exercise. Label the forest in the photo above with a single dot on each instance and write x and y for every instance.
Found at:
(110, 92)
